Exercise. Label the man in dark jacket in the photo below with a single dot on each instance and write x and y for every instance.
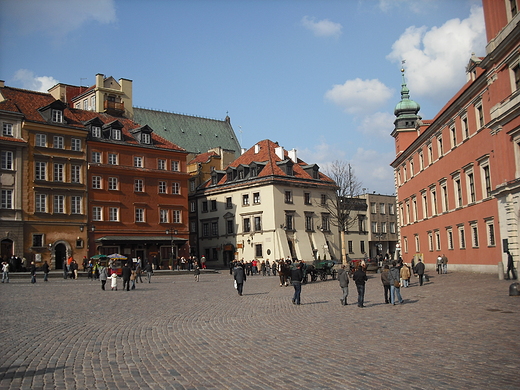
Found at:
(296, 281)
(419, 270)
(127, 272)
(240, 277)
(360, 278)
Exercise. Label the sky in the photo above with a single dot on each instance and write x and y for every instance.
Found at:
(319, 76)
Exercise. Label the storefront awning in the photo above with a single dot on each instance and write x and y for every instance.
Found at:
(141, 239)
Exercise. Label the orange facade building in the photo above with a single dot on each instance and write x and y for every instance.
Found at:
(457, 175)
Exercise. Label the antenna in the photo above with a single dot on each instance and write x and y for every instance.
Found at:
(240, 131)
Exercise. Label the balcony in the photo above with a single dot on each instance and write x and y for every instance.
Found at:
(114, 108)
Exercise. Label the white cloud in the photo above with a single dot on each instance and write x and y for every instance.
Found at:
(321, 154)
(359, 96)
(322, 28)
(378, 126)
(28, 80)
(373, 170)
(436, 58)
(58, 17)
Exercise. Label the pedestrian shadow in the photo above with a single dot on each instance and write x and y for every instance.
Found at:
(15, 373)
(315, 303)
(258, 293)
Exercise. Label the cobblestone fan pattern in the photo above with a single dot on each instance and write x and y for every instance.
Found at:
(458, 331)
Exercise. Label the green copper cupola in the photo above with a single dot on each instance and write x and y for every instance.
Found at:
(406, 111)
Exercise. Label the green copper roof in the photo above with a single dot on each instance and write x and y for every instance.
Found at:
(406, 105)
(195, 134)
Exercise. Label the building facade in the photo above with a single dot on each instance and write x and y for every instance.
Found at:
(457, 174)
(266, 204)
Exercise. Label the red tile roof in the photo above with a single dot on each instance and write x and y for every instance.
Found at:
(203, 157)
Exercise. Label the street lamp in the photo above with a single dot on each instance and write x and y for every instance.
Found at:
(171, 233)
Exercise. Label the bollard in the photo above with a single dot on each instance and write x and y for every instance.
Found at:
(514, 290)
(500, 270)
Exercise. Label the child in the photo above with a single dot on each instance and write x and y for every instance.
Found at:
(197, 273)
(113, 282)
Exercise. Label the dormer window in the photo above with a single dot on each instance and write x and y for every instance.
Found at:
(96, 131)
(57, 116)
(116, 134)
(146, 138)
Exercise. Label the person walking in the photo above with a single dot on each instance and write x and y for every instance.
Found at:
(296, 281)
(65, 271)
(126, 274)
(385, 279)
(5, 272)
(149, 271)
(133, 277)
(113, 281)
(45, 269)
(444, 264)
(197, 273)
(360, 278)
(343, 283)
(510, 267)
(419, 270)
(439, 264)
(240, 277)
(405, 275)
(33, 272)
(103, 276)
(395, 285)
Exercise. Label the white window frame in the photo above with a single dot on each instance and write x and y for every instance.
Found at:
(58, 142)
(7, 160)
(138, 185)
(96, 131)
(96, 182)
(7, 129)
(491, 233)
(57, 116)
(138, 162)
(41, 140)
(161, 164)
(6, 199)
(96, 157)
(75, 144)
(40, 203)
(113, 183)
(176, 188)
(97, 213)
(177, 216)
(40, 170)
(113, 214)
(75, 204)
(163, 216)
(162, 187)
(59, 169)
(58, 204)
(175, 165)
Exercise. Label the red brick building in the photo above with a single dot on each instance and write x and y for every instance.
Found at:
(457, 175)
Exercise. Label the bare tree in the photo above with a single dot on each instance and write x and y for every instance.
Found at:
(341, 205)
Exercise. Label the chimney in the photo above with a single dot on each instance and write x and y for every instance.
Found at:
(257, 149)
(2, 83)
(280, 152)
(292, 156)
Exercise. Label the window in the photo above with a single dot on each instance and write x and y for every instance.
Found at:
(258, 224)
(176, 216)
(470, 180)
(288, 197)
(350, 247)
(97, 213)
(7, 160)
(59, 204)
(486, 180)
(433, 194)
(213, 204)
(161, 164)
(214, 229)
(192, 185)
(113, 183)
(192, 207)
(163, 216)
(391, 208)
(465, 128)
(325, 222)
(193, 226)
(392, 227)
(175, 166)
(57, 116)
(382, 208)
(437, 240)
(58, 172)
(425, 205)
(307, 198)
(40, 203)
(449, 234)
(462, 238)
(453, 135)
(96, 182)
(146, 138)
(289, 221)
(256, 197)
(139, 215)
(474, 235)
(516, 77)
(229, 203)
(490, 233)
(205, 229)
(138, 185)
(85, 104)
(513, 8)
(246, 225)
(41, 140)
(176, 188)
(444, 199)
(373, 208)
(323, 199)
(440, 146)
(40, 170)
(458, 191)
(417, 243)
(412, 171)
(162, 187)
(113, 214)
(138, 162)
(75, 204)
(7, 129)
(204, 206)
(229, 226)
(75, 144)
(258, 250)
(37, 240)
(309, 222)
(58, 142)
(480, 115)
(112, 158)
(421, 160)
(383, 227)
(362, 246)
(96, 131)
(430, 241)
(430, 154)
(116, 134)
(93, 103)
(245, 200)
(7, 199)
(373, 227)
(96, 157)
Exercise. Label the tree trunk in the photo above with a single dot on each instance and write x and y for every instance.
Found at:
(343, 248)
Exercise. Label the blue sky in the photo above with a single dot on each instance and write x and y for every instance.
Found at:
(322, 77)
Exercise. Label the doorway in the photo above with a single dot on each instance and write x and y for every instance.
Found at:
(60, 256)
(6, 250)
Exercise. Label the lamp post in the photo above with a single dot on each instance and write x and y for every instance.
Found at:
(171, 233)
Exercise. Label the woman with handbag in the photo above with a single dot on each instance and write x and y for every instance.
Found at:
(395, 285)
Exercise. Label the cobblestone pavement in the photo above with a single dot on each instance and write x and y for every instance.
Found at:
(459, 331)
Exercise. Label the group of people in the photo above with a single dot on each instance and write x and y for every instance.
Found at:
(442, 264)
(131, 273)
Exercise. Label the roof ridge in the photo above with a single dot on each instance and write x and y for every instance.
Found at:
(27, 90)
(178, 113)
